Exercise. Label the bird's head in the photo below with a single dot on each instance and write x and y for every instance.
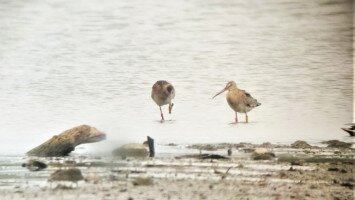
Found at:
(230, 85)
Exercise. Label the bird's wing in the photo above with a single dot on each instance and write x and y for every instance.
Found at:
(249, 100)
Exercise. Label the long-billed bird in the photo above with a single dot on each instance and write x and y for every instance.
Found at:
(162, 93)
(239, 100)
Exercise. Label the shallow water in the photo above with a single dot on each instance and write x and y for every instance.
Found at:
(65, 63)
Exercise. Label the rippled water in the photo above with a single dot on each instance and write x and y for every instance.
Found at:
(65, 63)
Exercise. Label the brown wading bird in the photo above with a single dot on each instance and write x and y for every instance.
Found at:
(162, 93)
(239, 100)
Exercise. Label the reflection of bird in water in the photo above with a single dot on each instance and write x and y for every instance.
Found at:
(239, 100)
(162, 93)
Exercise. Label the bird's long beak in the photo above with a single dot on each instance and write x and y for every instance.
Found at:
(224, 89)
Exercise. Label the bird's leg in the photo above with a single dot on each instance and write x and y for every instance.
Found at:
(246, 118)
(170, 107)
(236, 118)
(161, 114)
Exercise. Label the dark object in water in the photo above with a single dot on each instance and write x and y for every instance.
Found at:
(213, 156)
(337, 144)
(350, 130)
(151, 146)
(203, 156)
(34, 165)
(73, 175)
(229, 152)
(64, 143)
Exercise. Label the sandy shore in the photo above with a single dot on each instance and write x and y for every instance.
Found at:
(315, 173)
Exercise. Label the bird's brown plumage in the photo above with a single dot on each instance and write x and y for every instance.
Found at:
(239, 100)
(162, 93)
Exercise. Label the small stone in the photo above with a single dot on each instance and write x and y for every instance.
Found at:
(348, 183)
(283, 174)
(333, 169)
(34, 165)
(343, 171)
(299, 162)
(313, 187)
(142, 181)
(73, 175)
(291, 169)
(262, 154)
(299, 144)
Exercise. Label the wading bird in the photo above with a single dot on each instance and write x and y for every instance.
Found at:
(162, 93)
(239, 100)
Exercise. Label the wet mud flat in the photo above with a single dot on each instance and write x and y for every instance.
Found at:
(180, 172)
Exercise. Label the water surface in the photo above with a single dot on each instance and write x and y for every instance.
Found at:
(64, 63)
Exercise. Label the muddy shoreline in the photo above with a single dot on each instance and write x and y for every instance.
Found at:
(295, 172)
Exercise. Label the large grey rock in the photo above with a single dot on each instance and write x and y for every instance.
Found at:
(131, 150)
